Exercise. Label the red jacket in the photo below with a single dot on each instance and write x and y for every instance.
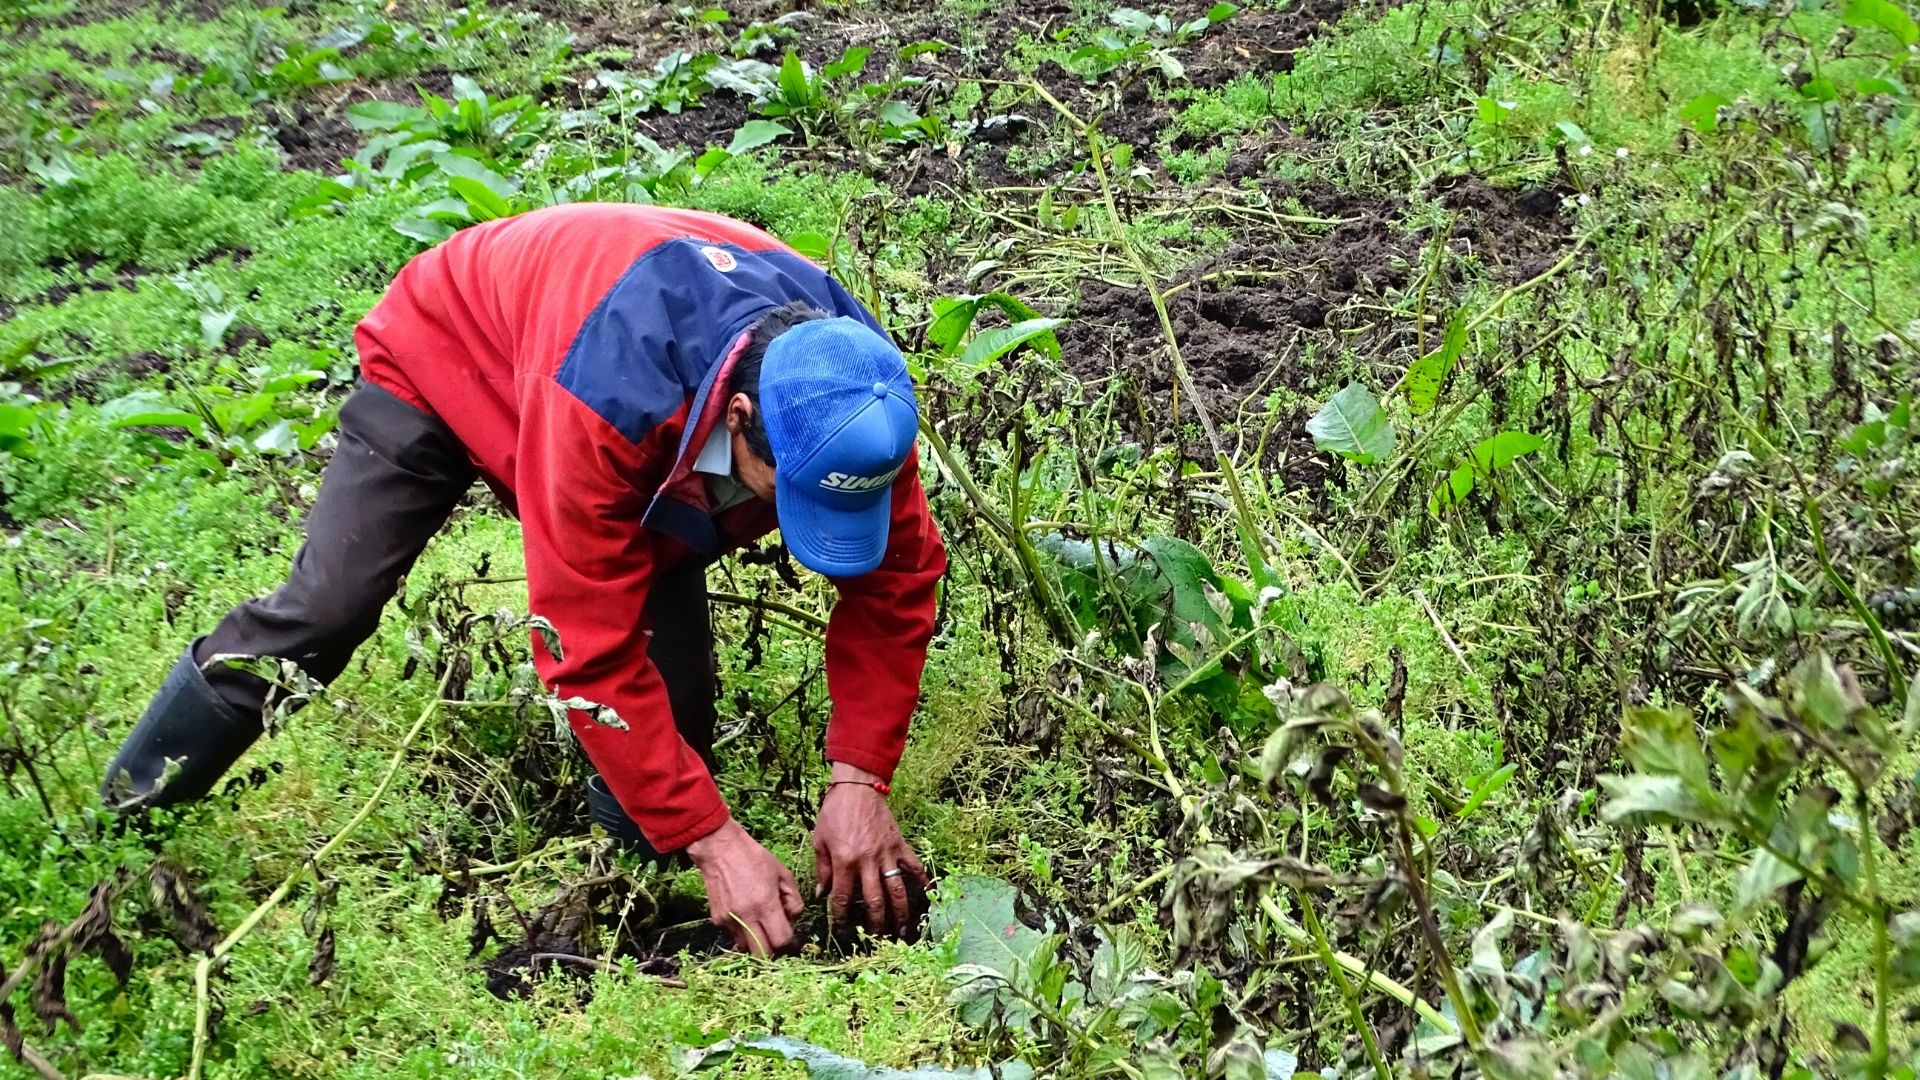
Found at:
(580, 353)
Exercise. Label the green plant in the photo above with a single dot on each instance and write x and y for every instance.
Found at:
(264, 418)
(494, 128)
(1137, 39)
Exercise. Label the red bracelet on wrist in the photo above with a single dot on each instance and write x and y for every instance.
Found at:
(880, 786)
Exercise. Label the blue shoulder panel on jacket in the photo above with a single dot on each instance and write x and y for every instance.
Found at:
(649, 343)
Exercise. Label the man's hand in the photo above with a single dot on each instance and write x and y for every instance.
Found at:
(750, 893)
(857, 845)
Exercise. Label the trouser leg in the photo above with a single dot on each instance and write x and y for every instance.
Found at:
(394, 479)
(682, 651)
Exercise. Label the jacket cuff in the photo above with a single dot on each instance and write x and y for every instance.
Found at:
(878, 764)
(705, 825)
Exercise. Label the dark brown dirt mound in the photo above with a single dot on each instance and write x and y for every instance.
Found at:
(314, 133)
(315, 140)
(1260, 42)
(1517, 232)
(712, 124)
(1245, 308)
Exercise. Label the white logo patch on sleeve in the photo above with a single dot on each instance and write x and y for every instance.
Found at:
(721, 259)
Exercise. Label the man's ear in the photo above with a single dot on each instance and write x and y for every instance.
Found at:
(739, 412)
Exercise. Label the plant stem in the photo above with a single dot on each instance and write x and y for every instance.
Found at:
(203, 971)
(1354, 1013)
(1052, 608)
(1249, 528)
(1354, 966)
(1879, 1052)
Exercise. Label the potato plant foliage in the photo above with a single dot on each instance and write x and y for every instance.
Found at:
(1431, 488)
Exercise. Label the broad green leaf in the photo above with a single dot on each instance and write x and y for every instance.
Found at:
(380, 115)
(1910, 716)
(1427, 374)
(1703, 112)
(952, 317)
(281, 438)
(424, 229)
(1870, 86)
(465, 89)
(1498, 452)
(1453, 490)
(793, 80)
(814, 245)
(756, 133)
(463, 166)
(851, 62)
(213, 327)
(1222, 12)
(898, 114)
(1573, 132)
(1885, 15)
(1353, 425)
(1001, 340)
(483, 201)
(147, 408)
(981, 909)
(1820, 89)
(1761, 876)
(1819, 133)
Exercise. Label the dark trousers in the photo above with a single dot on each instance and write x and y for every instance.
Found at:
(393, 481)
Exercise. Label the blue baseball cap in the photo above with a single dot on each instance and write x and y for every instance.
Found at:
(840, 416)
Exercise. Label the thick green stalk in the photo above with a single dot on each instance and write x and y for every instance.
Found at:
(1354, 1013)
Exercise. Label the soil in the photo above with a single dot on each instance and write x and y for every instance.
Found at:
(85, 386)
(1258, 42)
(314, 133)
(316, 141)
(1519, 233)
(582, 924)
(1241, 310)
(712, 124)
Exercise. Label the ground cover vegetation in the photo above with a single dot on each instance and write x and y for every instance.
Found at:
(1430, 485)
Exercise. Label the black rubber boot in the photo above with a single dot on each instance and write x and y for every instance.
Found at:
(606, 813)
(186, 722)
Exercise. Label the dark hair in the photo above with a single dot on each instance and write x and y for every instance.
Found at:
(746, 370)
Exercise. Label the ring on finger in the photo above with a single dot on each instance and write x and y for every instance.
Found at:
(893, 873)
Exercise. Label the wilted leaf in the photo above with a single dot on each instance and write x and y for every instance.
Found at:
(172, 894)
(1823, 695)
(1657, 798)
(1380, 800)
(320, 968)
(1486, 960)
(1353, 425)
(1764, 874)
